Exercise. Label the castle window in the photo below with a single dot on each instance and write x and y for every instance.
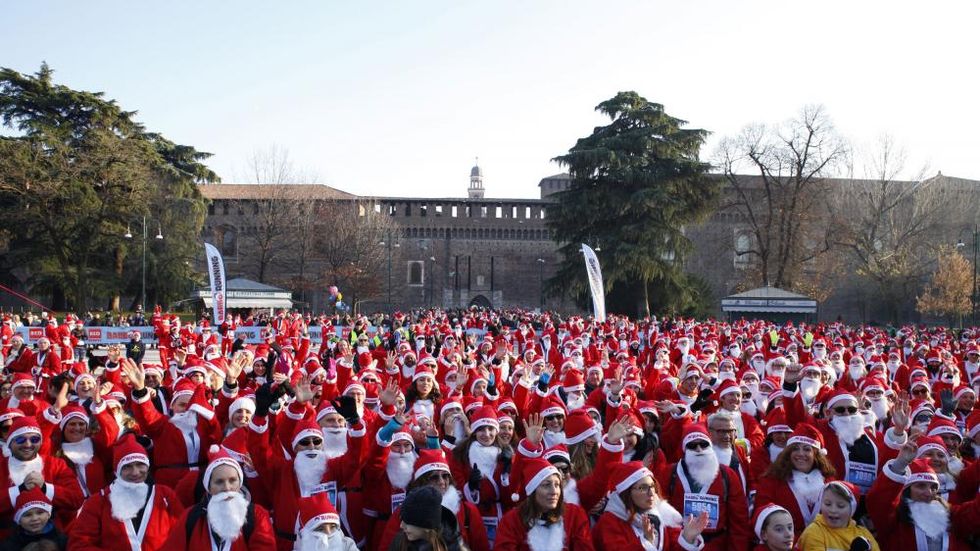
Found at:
(377, 208)
(454, 212)
(527, 213)
(483, 212)
(438, 210)
(229, 242)
(211, 208)
(224, 207)
(408, 209)
(416, 272)
(255, 209)
(499, 212)
(360, 210)
(423, 210)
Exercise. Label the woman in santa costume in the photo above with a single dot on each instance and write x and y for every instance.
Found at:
(543, 521)
(777, 433)
(132, 509)
(482, 469)
(797, 477)
(636, 518)
(226, 520)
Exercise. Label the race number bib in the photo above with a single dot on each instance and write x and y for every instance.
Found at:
(861, 475)
(491, 525)
(330, 488)
(695, 504)
(396, 499)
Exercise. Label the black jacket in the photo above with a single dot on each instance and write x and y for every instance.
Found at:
(449, 533)
(19, 539)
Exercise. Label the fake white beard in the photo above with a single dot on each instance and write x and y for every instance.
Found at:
(848, 427)
(459, 430)
(809, 485)
(809, 389)
(451, 499)
(399, 468)
(819, 354)
(575, 401)
(759, 366)
(484, 457)
(185, 421)
(774, 451)
(570, 492)
(761, 402)
(546, 538)
(838, 366)
(127, 498)
(893, 366)
(856, 372)
(724, 454)
(334, 442)
(20, 469)
(226, 514)
(932, 518)
(880, 408)
(954, 465)
(314, 540)
(80, 453)
(309, 466)
(552, 439)
(749, 407)
(702, 466)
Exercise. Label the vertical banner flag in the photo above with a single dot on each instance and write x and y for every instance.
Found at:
(595, 283)
(216, 272)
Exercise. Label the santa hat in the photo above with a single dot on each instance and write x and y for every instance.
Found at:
(155, 369)
(23, 426)
(218, 457)
(31, 499)
(573, 381)
(921, 471)
(940, 426)
(314, 511)
(423, 371)
(23, 379)
(471, 404)
(838, 395)
(919, 406)
(694, 432)
(305, 429)
(83, 377)
(245, 402)
(127, 451)
(72, 411)
(873, 383)
(689, 369)
(485, 416)
(578, 427)
(430, 460)
(726, 387)
(551, 406)
(183, 388)
(448, 404)
(849, 489)
(236, 444)
(973, 423)
(762, 514)
(12, 413)
(200, 404)
(624, 475)
(930, 443)
(354, 385)
(506, 404)
(647, 406)
(533, 472)
(807, 434)
(557, 453)
(776, 422)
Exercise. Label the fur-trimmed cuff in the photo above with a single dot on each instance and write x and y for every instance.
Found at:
(685, 412)
(526, 384)
(258, 429)
(357, 433)
(49, 491)
(527, 451)
(939, 413)
(892, 475)
(52, 416)
(696, 546)
(892, 441)
(296, 415)
(143, 399)
(610, 447)
(229, 395)
(97, 408)
(611, 402)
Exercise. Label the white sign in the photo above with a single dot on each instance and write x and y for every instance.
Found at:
(216, 273)
(594, 272)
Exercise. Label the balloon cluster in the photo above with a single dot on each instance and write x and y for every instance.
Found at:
(337, 298)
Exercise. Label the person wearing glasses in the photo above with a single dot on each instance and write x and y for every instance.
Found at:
(699, 483)
(637, 518)
(27, 468)
(723, 433)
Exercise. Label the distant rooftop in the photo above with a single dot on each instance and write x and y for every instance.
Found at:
(269, 191)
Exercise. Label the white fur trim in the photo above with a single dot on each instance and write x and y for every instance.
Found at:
(894, 443)
(305, 434)
(538, 478)
(610, 447)
(526, 451)
(259, 429)
(295, 416)
(202, 411)
(894, 477)
(147, 397)
(429, 467)
(97, 408)
(764, 514)
(633, 478)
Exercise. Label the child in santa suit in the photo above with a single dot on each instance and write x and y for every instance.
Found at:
(543, 521)
(773, 528)
(834, 527)
(34, 526)
(636, 518)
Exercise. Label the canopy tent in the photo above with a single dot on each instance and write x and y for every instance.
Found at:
(247, 294)
(770, 303)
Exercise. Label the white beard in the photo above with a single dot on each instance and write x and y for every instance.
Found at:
(186, 421)
(954, 465)
(312, 540)
(932, 518)
(570, 492)
(552, 439)
(127, 498)
(484, 457)
(546, 538)
(226, 514)
(20, 469)
(309, 467)
(809, 389)
(80, 453)
(399, 468)
(880, 408)
(774, 452)
(848, 427)
(451, 499)
(749, 407)
(575, 401)
(724, 455)
(702, 466)
(334, 442)
(459, 430)
(809, 485)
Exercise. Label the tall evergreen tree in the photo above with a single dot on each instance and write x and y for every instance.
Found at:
(636, 183)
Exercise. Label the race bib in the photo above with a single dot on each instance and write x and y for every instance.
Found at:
(491, 525)
(396, 499)
(861, 475)
(330, 488)
(695, 504)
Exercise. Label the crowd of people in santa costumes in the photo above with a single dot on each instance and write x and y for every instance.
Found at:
(505, 430)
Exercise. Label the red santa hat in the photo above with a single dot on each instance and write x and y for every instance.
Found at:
(973, 423)
(930, 443)
(471, 403)
(551, 405)
(573, 381)
(647, 406)
(200, 404)
(448, 404)
(940, 426)
(726, 387)
(128, 451)
(919, 406)
(352, 386)
(423, 371)
(22, 379)
(236, 444)
(23, 426)
(762, 514)
(578, 427)
(485, 416)
(31, 499)
(838, 395)
(962, 391)
(155, 369)
(921, 471)
(314, 511)
(557, 453)
(807, 434)
(776, 422)
(305, 429)
(246, 402)
(183, 388)
(218, 457)
(430, 460)
(689, 369)
(533, 472)
(693, 433)
(849, 489)
(72, 411)
(624, 475)
(83, 377)
(10, 413)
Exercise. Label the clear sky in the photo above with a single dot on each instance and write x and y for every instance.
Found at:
(397, 98)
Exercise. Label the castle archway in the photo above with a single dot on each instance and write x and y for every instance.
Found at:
(481, 301)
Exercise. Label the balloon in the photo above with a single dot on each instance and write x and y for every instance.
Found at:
(333, 290)
(340, 296)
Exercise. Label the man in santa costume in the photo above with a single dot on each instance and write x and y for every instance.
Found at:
(20, 358)
(722, 429)
(729, 396)
(26, 469)
(22, 396)
(699, 483)
(132, 509)
(226, 520)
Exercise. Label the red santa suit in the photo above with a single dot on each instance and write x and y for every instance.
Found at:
(85, 457)
(20, 360)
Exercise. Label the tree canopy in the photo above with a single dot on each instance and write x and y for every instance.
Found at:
(636, 183)
(76, 171)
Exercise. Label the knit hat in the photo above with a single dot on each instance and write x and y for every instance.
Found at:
(127, 451)
(807, 434)
(218, 457)
(423, 508)
(430, 460)
(762, 514)
(624, 475)
(305, 429)
(31, 499)
(849, 489)
(314, 511)
(485, 416)
(23, 426)
(72, 411)
(533, 472)
(578, 427)
(921, 471)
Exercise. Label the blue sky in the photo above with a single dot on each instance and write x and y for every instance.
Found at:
(397, 98)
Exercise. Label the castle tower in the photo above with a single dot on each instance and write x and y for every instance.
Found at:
(475, 190)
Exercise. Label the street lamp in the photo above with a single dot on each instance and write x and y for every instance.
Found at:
(129, 235)
(389, 243)
(541, 282)
(973, 294)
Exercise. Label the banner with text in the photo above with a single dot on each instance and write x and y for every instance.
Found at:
(595, 283)
(216, 273)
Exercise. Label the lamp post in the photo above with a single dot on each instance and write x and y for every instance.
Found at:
(129, 235)
(389, 243)
(541, 283)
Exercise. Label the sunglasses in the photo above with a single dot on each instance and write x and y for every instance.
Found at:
(849, 410)
(311, 441)
(440, 475)
(697, 446)
(553, 417)
(21, 440)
